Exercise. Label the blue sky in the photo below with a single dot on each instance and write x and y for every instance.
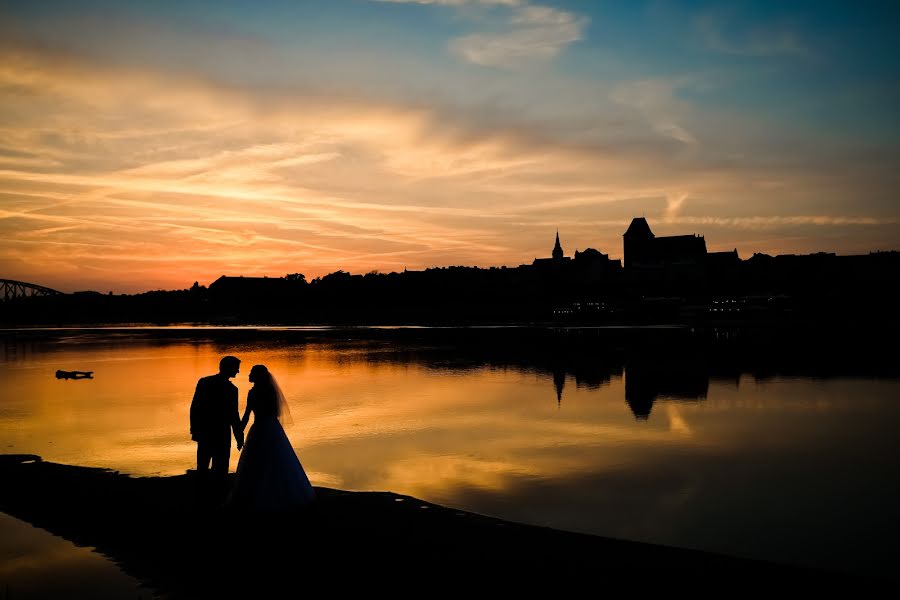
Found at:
(272, 137)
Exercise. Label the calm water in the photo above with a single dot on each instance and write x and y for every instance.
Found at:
(36, 565)
(705, 445)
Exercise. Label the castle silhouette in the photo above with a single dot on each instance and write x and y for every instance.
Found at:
(643, 250)
(672, 279)
(661, 279)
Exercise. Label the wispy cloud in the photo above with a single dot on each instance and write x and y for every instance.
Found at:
(674, 204)
(527, 33)
(458, 2)
(768, 222)
(150, 178)
(721, 33)
(656, 101)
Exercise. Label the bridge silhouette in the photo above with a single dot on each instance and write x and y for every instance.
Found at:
(19, 289)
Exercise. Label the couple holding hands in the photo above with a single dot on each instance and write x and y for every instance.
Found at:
(269, 476)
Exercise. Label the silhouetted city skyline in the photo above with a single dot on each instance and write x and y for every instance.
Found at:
(664, 279)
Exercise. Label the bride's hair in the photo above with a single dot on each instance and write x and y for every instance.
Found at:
(261, 371)
(265, 378)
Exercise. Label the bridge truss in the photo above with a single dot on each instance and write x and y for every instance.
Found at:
(19, 289)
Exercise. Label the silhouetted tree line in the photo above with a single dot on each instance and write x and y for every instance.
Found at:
(718, 288)
(450, 295)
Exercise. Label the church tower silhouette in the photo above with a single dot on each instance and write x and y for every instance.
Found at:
(557, 249)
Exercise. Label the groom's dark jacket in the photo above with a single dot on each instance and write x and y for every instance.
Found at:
(214, 411)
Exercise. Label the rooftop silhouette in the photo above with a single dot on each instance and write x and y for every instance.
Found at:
(664, 279)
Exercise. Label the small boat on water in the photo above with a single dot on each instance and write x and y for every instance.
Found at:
(74, 374)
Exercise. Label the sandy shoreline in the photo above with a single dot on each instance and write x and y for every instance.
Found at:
(151, 527)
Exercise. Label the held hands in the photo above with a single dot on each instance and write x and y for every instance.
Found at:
(239, 437)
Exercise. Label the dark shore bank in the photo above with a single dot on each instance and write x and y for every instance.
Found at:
(152, 528)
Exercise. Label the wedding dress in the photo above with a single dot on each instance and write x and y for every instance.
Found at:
(269, 475)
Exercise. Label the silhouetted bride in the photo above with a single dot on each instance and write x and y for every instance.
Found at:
(269, 476)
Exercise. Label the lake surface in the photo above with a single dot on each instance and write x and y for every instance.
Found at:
(778, 450)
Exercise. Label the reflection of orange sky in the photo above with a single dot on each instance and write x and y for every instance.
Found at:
(37, 564)
(376, 425)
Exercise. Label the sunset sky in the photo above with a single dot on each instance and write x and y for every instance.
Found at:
(151, 145)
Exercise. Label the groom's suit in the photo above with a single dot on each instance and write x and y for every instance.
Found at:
(214, 415)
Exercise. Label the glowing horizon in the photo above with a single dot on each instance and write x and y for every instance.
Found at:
(150, 147)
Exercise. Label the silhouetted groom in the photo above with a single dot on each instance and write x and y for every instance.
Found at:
(214, 415)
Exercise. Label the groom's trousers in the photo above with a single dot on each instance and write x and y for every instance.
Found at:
(213, 482)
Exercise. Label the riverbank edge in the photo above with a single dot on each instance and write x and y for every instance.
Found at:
(153, 528)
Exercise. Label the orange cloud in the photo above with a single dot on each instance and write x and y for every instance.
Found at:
(132, 179)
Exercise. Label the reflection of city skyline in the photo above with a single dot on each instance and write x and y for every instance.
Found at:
(644, 384)
(664, 368)
(655, 366)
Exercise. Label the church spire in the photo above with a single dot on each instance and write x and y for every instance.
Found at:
(557, 249)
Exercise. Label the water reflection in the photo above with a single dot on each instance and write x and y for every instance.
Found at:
(676, 380)
(658, 436)
(35, 564)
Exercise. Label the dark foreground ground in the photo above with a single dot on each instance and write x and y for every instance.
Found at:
(365, 541)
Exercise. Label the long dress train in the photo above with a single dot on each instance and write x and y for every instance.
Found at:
(269, 475)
